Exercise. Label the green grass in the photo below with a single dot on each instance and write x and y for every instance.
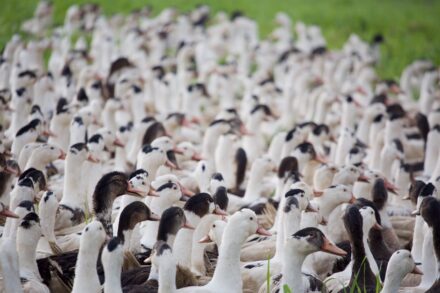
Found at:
(410, 27)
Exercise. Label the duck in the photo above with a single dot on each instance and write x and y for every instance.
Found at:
(112, 258)
(92, 239)
(240, 226)
(401, 263)
(297, 247)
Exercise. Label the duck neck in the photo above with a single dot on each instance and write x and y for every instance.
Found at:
(9, 266)
(418, 242)
(369, 255)
(71, 175)
(227, 274)
(167, 277)
(27, 253)
(429, 264)
(291, 271)
(85, 271)
(197, 254)
(112, 282)
(254, 185)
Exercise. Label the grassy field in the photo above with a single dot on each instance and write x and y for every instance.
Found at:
(410, 27)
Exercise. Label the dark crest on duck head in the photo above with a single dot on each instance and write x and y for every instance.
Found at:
(290, 201)
(262, 107)
(62, 106)
(429, 210)
(379, 193)
(160, 247)
(313, 234)
(171, 220)
(138, 172)
(27, 205)
(168, 185)
(114, 243)
(307, 148)
(96, 138)
(199, 204)
(287, 166)
(78, 147)
(217, 176)
(132, 214)
(110, 186)
(295, 192)
(428, 190)
(154, 131)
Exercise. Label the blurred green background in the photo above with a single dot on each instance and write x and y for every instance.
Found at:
(411, 27)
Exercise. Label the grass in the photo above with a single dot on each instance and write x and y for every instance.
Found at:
(409, 26)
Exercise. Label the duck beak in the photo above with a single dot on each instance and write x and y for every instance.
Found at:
(219, 211)
(153, 192)
(352, 199)
(244, 130)
(377, 227)
(49, 133)
(170, 164)
(329, 247)
(196, 157)
(184, 198)
(118, 143)
(92, 159)
(262, 231)
(133, 191)
(10, 170)
(9, 214)
(323, 222)
(310, 208)
(195, 120)
(363, 178)
(185, 123)
(186, 191)
(415, 213)
(317, 193)
(178, 151)
(62, 155)
(147, 260)
(188, 226)
(417, 271)
(154, 217)
(320, 159)
(391, 187)
(205, 239)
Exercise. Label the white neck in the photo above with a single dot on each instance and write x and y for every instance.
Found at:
(113, 279)
(227, 274)
(197, 254)
(9, 265)
(393, 278)
(167, 277)
(291, 271)
(85, 271)
(429, 263)
(370, 258)
(253, 189)
(27, 253)
(72, 173)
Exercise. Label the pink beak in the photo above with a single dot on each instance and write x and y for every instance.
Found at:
(178, 151)
(49, 133)
(118, 143)
(219, 211)
(154, 217)
(262, 231)
(188, 226)
(170, 164)
(62, 155)
(196, 157)
(9, 214)
(92, 159)
(205, 239)
(11, 171)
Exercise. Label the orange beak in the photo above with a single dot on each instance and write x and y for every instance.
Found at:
(186, 191)
(11, 171)
(390, 186)
(188, 226)
(309, 208)
(317, 193)
(49, 133)
(331, 248)
(352, 199)
(377, 227)
(170, 164)
(416, 271)
(363, 178)
(320, 159)
(153, 192)
(178, 151)
(244, 131)
(133, 191)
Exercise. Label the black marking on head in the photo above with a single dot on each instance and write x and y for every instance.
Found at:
(217, 176)
(113, 243)
(398, 144)
(423, 125)
(429, 210)
(159, 72)
(28, 73)
(78, 215)
(20, 91)
(110, 186)
(78, 120)
(48, 195)
(290, 201)
(95, 138)
(288, 165)
(176, 115)
(82, 96)
(199, 204)
(262, 107)
(32, 125)
(62, 106)
(119, 64)
(26, 223)
(28, 205)
(35, 109)
(218, 121)
(321, 128)
(148, 149)
(395, 111)
(290, 134)
(148, 119)
(167, 185)
(78, 147)
(378, 118)
(138, 172)
(294, 192)
(363, 202)
(307, 147)
(254, 265)
(26, 182)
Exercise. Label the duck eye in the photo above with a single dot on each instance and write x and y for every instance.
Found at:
(372, 212)
(100, 228)
(251, 218)
(87, 229)
(302, 194)
(51, 148)
(213, 226)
